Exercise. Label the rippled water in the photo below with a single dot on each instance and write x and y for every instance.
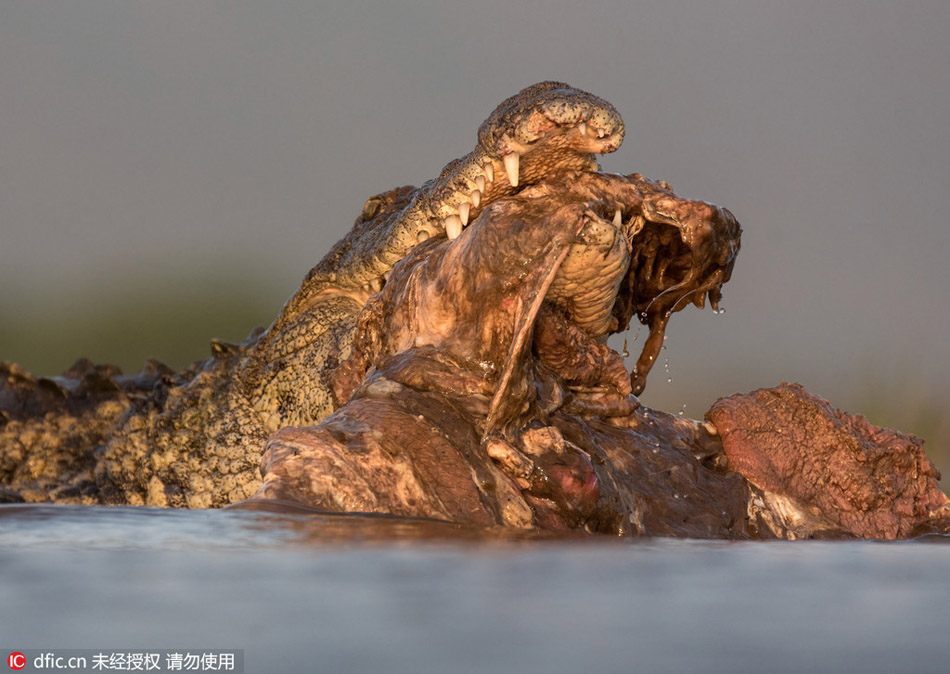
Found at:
(301, 592)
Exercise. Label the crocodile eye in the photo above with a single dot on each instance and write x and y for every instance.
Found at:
(370, 208)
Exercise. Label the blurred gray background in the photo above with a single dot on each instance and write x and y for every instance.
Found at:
(170, 171)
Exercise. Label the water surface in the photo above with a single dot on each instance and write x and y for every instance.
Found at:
(301, 592)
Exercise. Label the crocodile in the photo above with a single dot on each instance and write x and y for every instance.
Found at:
(448, 359)
(193, 438)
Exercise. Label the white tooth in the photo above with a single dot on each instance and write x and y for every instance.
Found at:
(376, 284)
(386, 274)
(511, 168)
(601, 133)
(480, 181)
(464, 209)
(476, 198)
(422, 235)
(489, 172)
(453, 227)
(367, 288)
(582, 127)
(618, 218)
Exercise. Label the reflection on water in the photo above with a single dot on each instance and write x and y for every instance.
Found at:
(300, 591)
(246, 526)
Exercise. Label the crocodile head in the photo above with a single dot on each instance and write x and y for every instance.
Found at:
(546, 128)
(542, 130)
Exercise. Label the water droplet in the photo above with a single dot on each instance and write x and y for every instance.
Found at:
(669, 380)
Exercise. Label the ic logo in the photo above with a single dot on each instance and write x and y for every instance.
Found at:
(16, 660)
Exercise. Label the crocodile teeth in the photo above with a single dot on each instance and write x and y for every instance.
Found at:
(489, 172)
(422, 236)
(476, 198)
(464, 209)
(582, 127)
(376, 284)
(601, 133)
(386, 275)
(453, 227)
(480, 181)
(511, 168)
(618, 218)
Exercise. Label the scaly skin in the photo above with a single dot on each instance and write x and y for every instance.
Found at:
(194, 439)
